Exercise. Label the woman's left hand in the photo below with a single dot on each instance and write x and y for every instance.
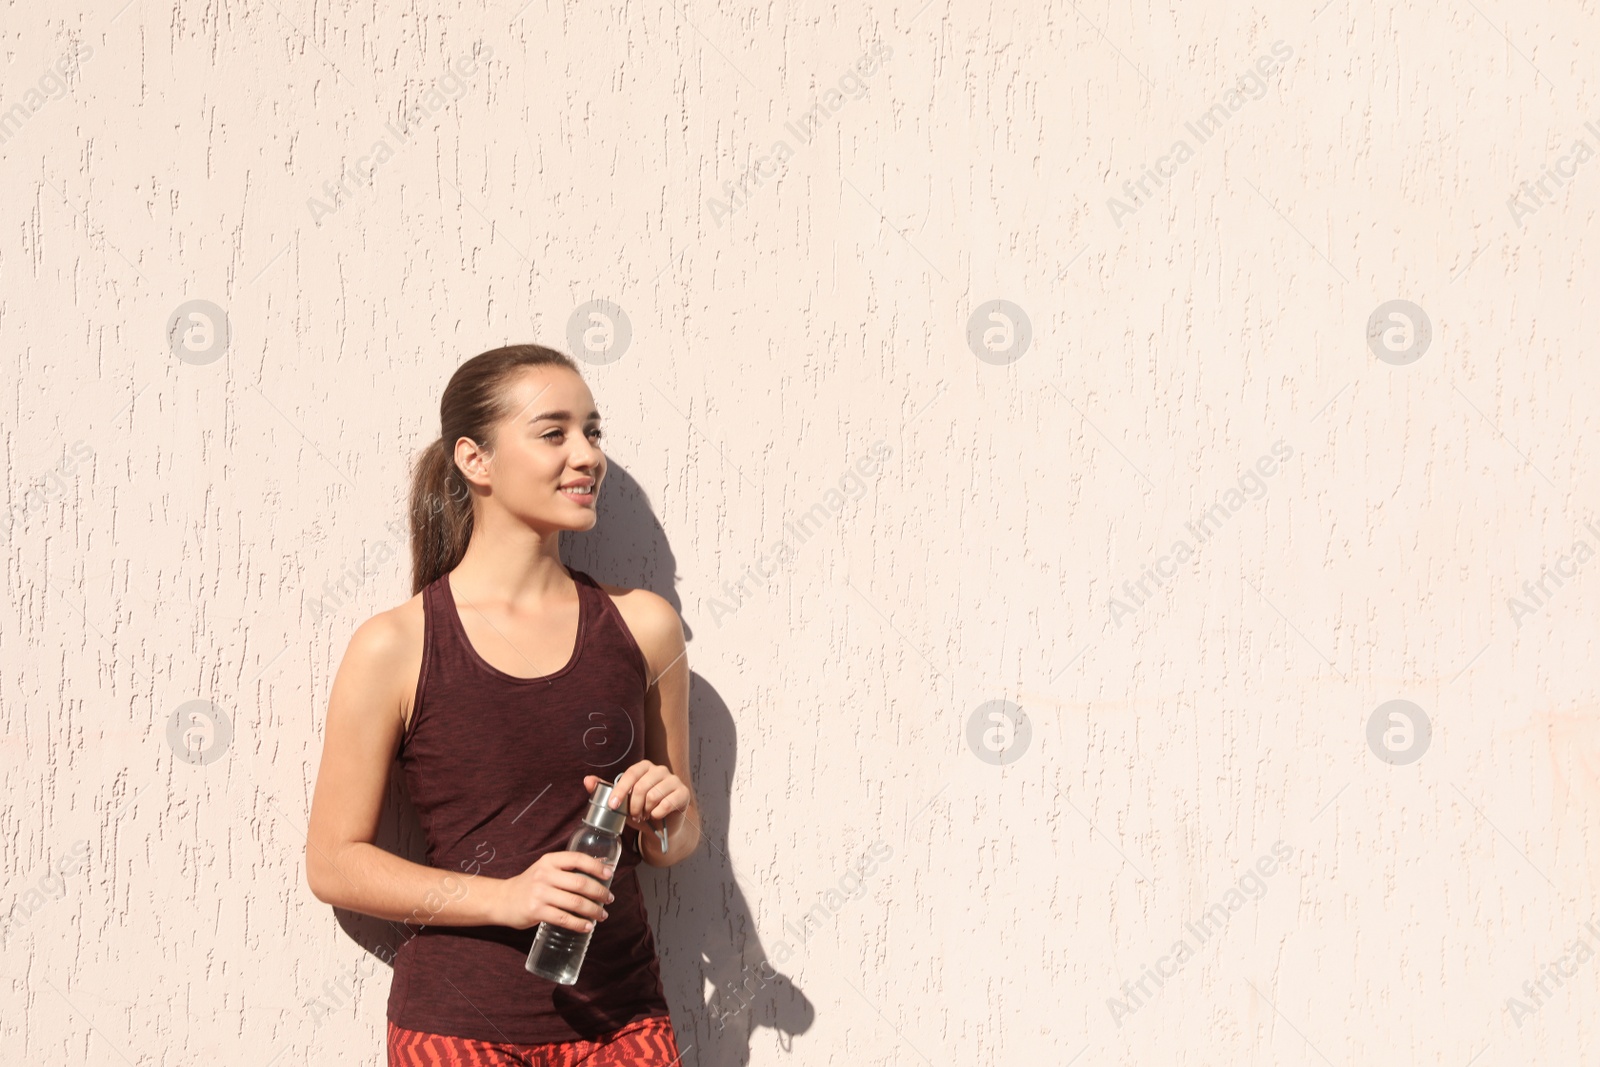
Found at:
(649, 791)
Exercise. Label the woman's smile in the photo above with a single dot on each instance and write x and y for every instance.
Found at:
(580, 491)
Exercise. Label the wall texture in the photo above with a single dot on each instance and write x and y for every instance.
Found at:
(1122, 468)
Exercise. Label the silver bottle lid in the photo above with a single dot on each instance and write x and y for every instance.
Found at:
(601, 817)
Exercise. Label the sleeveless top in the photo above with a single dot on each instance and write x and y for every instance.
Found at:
(494, 765)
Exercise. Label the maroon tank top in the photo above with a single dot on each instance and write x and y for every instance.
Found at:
(494, 765)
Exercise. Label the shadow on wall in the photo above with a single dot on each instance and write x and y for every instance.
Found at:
(704, 931)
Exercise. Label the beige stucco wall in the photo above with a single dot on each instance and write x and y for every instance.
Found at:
(208, 520)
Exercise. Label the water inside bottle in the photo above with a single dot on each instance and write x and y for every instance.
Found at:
(558, 953)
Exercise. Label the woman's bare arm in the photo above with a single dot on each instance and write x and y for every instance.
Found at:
(656, 626)
(343, 866)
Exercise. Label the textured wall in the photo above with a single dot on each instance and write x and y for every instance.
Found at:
(1044, 649)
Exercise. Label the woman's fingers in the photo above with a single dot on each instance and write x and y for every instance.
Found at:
(579, 862)
(662, 798)
(582, 885)
(632, 784)
(573, 911)
(668, 804)
(640, 794)
(632, 789)
(620, 786)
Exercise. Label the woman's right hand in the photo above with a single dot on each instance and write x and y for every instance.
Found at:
(564, 889)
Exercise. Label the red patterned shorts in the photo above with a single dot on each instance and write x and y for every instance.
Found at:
(642, 1043)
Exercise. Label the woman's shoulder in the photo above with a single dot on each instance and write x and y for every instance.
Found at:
(646, 606)
(653, 621)
(392, 639)
(384, 656)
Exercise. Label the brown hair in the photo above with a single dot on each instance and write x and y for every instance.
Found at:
(441, 501)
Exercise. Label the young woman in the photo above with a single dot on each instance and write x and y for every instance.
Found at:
(509, 687)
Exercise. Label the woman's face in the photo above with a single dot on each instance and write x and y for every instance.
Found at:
(547, 466)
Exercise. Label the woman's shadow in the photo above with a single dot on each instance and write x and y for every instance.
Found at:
(705, 934)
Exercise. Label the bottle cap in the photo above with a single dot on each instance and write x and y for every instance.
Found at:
(602, 817)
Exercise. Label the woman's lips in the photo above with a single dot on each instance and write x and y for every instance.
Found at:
(584, 498)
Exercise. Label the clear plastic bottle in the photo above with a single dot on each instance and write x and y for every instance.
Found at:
(558, 952)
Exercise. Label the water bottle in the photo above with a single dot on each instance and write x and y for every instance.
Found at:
(558, 952)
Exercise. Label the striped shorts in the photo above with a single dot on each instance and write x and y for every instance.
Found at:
(642, 1043)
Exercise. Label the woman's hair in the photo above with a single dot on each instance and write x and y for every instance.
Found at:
(441, 501)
